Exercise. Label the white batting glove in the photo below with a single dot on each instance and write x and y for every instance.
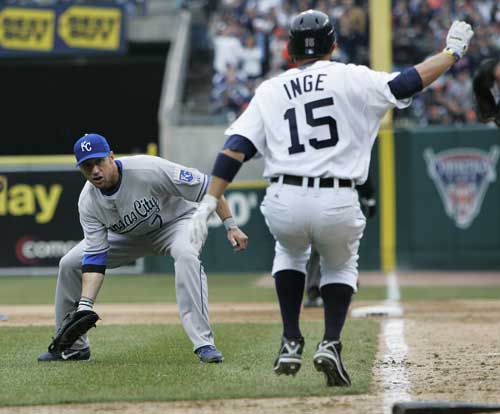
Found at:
(458, 39)
(198, 228)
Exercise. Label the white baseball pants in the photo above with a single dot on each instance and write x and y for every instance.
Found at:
(331, 218)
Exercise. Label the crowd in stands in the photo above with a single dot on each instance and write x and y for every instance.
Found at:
(249, 41)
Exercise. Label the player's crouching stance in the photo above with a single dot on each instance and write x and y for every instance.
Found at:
(315, 126)
(129, 208)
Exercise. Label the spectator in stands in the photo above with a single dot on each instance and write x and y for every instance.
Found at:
(227, 47)
(459, 96)
(279, 59)
(251, 58)
(230, 93)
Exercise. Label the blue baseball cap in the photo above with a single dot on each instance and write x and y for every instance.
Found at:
(91, 146)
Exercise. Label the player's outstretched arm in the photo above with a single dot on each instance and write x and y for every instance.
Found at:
(457, 43)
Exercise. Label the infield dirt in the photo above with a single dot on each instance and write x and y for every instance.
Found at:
(453, 354)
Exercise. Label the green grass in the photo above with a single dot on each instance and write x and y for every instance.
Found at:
(152, 289)
(155, 363)
(450, 292)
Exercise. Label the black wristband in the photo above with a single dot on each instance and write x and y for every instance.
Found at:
(92, 268)
(226, 167)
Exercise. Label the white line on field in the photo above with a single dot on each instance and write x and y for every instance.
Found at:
(395, 376)
(393, 293)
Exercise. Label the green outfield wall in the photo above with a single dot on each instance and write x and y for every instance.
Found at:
(448, 198)
(447, 210)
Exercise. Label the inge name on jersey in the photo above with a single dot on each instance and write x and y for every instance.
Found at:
(308, 83)
(142, 211)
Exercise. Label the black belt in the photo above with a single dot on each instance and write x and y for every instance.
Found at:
(323, 182)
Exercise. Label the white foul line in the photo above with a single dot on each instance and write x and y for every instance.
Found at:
(396, 381)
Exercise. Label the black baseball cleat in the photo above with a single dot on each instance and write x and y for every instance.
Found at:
(289, 358)
(67, 355)
(327, 360)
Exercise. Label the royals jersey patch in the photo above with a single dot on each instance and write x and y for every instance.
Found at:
(184, 176)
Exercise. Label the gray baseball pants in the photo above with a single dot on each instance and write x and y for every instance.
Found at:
(190, 278)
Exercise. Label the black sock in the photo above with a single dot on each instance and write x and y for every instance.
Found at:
(336, 301)
(290, 290)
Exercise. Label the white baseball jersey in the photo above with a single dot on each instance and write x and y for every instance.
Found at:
(153, 192)
(318, 121)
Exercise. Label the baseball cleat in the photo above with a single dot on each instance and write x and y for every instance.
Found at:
(289, 358)
(67, 355)
(209, 354)
(327, 360)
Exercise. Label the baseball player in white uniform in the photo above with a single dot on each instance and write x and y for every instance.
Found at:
(315, 126)
(129, 208)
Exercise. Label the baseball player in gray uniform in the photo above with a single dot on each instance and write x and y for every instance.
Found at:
(129, 208)
(315, 126)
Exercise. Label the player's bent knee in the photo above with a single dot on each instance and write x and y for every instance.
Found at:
(69, 262)
(186, 259)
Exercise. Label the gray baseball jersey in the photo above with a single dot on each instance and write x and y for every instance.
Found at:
(153, 192)
(146, 216)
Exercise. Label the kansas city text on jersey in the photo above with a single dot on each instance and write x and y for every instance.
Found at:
(143, 210)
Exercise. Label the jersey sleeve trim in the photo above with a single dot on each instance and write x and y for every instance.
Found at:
(95, 259)
(389, 95)
(203, 188)
(406, 84)
(241, 144)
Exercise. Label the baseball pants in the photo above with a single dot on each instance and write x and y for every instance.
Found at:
(329, 218)
(190, 278)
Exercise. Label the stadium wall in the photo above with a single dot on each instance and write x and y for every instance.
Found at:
(446, 206)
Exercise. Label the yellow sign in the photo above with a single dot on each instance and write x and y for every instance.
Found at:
(91, 27)
(27, 29)
(29, 200)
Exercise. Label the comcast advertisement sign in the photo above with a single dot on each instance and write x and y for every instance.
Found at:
(38, 217)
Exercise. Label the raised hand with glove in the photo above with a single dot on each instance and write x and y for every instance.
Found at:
(458, 39)
(457, 43)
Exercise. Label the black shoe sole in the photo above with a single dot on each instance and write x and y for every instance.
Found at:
(329, 368)
(64, 360)
(287, 368)
(212, 361)
(61, 359)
